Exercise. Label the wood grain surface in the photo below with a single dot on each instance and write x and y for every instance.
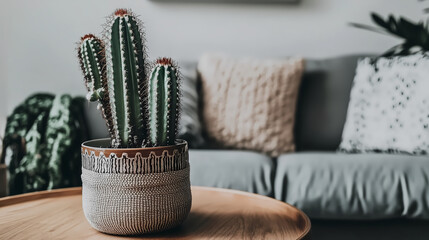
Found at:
(215, 214)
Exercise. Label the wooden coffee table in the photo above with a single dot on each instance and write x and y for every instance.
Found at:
(215, 214)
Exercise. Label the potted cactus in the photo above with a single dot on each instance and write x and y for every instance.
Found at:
(138, 180)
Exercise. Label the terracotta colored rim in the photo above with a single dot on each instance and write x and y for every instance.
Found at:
(96, 146)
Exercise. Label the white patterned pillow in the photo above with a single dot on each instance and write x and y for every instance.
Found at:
(389, 106)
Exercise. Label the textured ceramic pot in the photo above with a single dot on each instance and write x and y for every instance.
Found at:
(136, 190)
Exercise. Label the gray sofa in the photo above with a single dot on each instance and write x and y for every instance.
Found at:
(347, 196)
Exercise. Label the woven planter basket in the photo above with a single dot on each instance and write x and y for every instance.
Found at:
(135, 191)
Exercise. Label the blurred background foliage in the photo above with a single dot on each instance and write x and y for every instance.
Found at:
(41, 143)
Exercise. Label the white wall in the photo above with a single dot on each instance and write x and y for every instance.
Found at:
(37, 40)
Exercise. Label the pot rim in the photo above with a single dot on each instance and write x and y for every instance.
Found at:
(87, 144)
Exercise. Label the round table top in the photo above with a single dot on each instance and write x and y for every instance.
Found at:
(215, 214)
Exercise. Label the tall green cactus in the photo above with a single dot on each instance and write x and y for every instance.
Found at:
(116, 75)
(126, 65)
(164, 102)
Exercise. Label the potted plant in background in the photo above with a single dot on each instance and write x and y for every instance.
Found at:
(415, 35)
(138, 181)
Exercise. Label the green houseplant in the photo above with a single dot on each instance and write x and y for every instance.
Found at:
(142, 166)
(415, 35)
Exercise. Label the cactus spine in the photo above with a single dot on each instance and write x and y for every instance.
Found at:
(92, 60)
(164, 102)
(116, 75)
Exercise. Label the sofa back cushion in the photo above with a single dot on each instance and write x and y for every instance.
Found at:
(249, 103)
(323, 101)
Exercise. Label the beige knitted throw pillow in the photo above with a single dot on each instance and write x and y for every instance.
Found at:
(249, 103)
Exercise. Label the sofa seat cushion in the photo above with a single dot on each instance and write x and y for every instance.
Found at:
(354, 186)
(239, 170)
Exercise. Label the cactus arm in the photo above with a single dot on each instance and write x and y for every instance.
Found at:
(164, 102)
(91, 53)
(91, 62)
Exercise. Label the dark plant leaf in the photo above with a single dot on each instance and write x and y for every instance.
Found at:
(408, 24)
(379, 20)
(393, 25)
(414, 34)
(44, 134)
(370, 28)
(423, 38)
(405, 29)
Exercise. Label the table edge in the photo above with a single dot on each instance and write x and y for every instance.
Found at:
(21, 198)
(62, 192)
(254, 195)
